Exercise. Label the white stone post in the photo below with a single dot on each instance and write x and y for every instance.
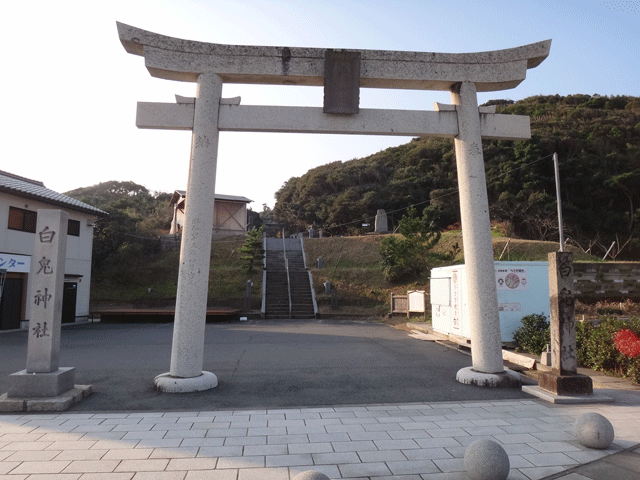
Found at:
(43, 377)
(486, 344)
(185, 374)
(47, 284)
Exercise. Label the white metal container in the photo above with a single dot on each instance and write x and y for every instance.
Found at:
(523, 289)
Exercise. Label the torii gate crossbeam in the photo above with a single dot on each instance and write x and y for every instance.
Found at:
(343, 73)
(234, 117)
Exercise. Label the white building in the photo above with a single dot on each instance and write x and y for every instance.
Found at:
(229, 213)
(20, 199)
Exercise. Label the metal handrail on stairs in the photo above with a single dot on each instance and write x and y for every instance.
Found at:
(264, 276)
(286, 266)
(313, 293)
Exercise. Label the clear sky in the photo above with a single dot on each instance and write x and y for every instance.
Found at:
(70, 89)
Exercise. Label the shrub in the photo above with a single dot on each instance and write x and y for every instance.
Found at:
(533, 335)
(611, 347)
(583, 339)
(410, 254)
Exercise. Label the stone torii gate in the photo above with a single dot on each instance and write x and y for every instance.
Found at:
(342, 73)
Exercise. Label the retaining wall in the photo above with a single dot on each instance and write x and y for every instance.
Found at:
(610, 280)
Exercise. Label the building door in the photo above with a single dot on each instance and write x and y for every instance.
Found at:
(11, 304)
(69, 302)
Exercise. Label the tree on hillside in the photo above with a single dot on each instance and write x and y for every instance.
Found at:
(253, 220)
(408, 255)
(627, 183)
(103, 194)
(136, 218)
(338, 195)
(266, 215)
(251, 251)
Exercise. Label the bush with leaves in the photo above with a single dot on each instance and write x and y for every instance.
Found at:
(610, 346)
(583, 339)
(533, 335)
(408, 255)
(251, 251)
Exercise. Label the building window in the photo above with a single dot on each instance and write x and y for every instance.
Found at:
(23, 220)
(73, 228)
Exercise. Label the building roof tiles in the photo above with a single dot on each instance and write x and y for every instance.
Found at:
(36, 190)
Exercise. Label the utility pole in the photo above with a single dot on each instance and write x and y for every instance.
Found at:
(559, 201)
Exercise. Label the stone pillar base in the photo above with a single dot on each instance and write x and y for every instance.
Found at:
(34, 385)
(566, 384)
(170, 384)
(58, 403)
(506, 379)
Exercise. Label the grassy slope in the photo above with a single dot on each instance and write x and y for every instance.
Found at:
(352, 264)
(130, 284)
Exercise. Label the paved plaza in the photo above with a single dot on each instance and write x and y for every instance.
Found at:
(405, 439)
(259, 364)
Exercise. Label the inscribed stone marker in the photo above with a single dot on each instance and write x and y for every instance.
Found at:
(563, 379)
(43, 377)
(563, 324)
(382, 225)
(47, 284)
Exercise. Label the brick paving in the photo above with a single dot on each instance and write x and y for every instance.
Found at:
(410, 441)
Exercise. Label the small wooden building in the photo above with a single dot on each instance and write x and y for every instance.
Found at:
(229, 213)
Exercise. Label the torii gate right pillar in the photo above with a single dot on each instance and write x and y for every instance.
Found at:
(486, 346)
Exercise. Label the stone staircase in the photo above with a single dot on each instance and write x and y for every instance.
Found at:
(287, 295)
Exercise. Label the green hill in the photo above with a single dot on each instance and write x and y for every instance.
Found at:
(598, 143)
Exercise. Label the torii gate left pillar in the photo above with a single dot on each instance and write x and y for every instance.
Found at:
(186, 374)
(210, 64)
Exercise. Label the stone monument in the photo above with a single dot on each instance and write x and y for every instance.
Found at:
(43, 378)
(563, 384)
(381, 222)
(563, 378)
(342, 73)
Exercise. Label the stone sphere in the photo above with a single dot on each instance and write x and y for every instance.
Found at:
(311, 475)
(486, 460)
(594, 431)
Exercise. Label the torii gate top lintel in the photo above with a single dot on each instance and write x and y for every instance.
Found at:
(183, 60)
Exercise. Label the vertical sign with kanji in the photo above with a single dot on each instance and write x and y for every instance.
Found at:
(563, 378)
(46, 281)
(563, 324)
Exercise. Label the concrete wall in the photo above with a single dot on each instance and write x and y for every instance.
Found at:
(607, 280)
